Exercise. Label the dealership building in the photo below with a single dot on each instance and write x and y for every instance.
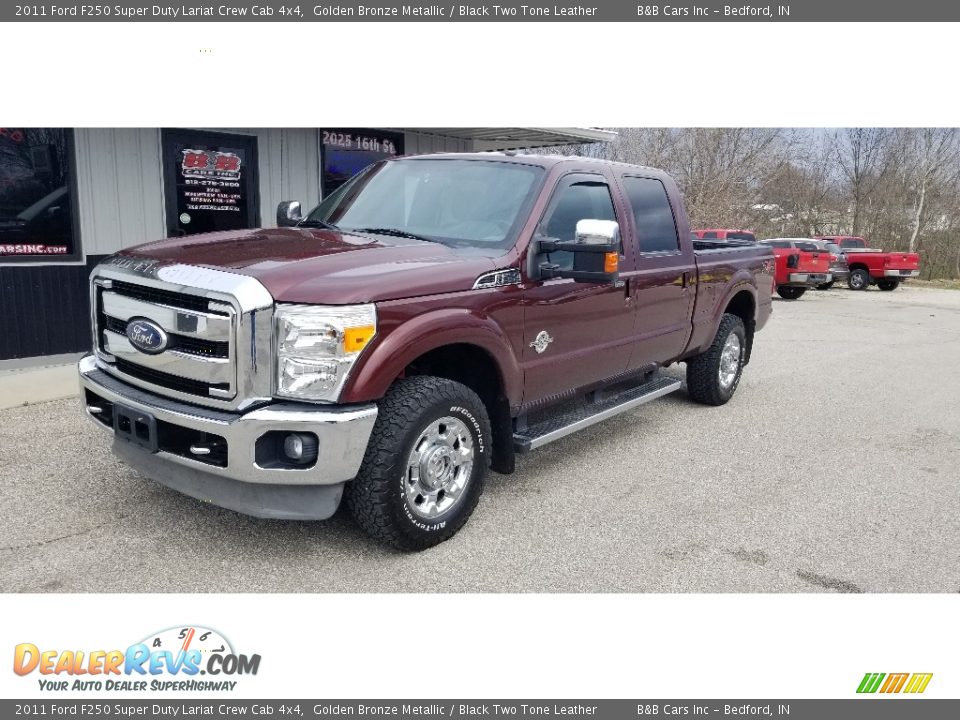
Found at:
(71, 197)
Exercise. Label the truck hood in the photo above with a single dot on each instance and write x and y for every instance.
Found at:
(311, 265)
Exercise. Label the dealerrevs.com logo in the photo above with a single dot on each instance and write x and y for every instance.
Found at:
(179, 659)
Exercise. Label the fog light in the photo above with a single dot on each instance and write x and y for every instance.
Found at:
(301, 447)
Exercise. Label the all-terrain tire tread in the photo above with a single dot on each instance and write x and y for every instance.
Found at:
(703, 383)
(368, 494)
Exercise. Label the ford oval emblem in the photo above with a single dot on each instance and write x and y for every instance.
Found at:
(146, 336)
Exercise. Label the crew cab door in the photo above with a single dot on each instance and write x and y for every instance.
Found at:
(575, 333)
(663, 287)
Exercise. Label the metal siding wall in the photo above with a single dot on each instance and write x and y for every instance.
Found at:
(120, 193)
(46, 309)
(425, 143)
(300, 166)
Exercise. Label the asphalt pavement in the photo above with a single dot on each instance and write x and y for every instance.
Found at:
(836, 467)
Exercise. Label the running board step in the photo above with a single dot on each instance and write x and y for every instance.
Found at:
(554, 428)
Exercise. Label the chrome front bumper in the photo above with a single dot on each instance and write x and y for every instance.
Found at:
(901, 273)
(240, 483)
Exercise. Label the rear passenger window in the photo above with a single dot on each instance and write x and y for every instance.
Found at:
(652, 214)
(710, 235)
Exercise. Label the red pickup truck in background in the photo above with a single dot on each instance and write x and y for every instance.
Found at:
(796, 269)
(725, 234)
(869, 266)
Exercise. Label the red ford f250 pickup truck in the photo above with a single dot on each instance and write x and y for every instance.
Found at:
(428, 320)
(875, 267)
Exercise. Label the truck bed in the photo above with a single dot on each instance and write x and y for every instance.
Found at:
(702, 246)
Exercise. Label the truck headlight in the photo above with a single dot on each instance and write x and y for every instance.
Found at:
(317, 346)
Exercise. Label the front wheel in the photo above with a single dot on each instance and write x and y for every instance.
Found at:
(713, 376)
(790, 293)
(859, 279)
(888, 285)
(425, 465)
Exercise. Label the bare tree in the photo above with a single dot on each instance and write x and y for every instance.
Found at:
(862, 157)
(937, 154)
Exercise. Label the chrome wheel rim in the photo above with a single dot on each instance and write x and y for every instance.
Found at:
(856, 280)
(438, 468)
(730, 360)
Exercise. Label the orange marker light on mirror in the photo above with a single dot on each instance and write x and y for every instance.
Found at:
(611, 261)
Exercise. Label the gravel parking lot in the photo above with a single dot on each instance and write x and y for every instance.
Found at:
(835, 468)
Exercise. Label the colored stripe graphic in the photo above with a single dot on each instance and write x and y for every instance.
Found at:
(894, 683)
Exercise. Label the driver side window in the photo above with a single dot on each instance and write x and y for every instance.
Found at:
(580, 200)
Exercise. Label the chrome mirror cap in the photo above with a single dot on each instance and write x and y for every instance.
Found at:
(598, 232)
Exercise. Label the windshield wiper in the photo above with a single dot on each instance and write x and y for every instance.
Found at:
(395, 232)
(317, 223)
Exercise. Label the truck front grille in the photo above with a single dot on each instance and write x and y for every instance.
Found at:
(198, 358)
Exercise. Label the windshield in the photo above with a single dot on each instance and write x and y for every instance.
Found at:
(461, 203)
(834, 248)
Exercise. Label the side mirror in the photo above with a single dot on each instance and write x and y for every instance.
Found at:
(596, 254)
(288, 213)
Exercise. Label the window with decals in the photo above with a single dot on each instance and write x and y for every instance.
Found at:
(36, 203)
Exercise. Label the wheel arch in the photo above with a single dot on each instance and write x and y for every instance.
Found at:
(742, 302)
(455, 345)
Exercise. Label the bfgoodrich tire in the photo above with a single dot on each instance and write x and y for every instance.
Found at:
(888, 285)
(713, 376)
(425, 466)
(790, 293)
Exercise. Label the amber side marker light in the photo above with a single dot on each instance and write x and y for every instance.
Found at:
(355, 339)
(611, 261)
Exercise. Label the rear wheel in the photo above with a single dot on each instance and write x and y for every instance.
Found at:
(888, 285)
(713, 376)
(859, 279)
(826, 285)
(790, 293)
(425, 465)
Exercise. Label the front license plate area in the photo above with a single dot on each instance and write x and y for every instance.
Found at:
(135, 426)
